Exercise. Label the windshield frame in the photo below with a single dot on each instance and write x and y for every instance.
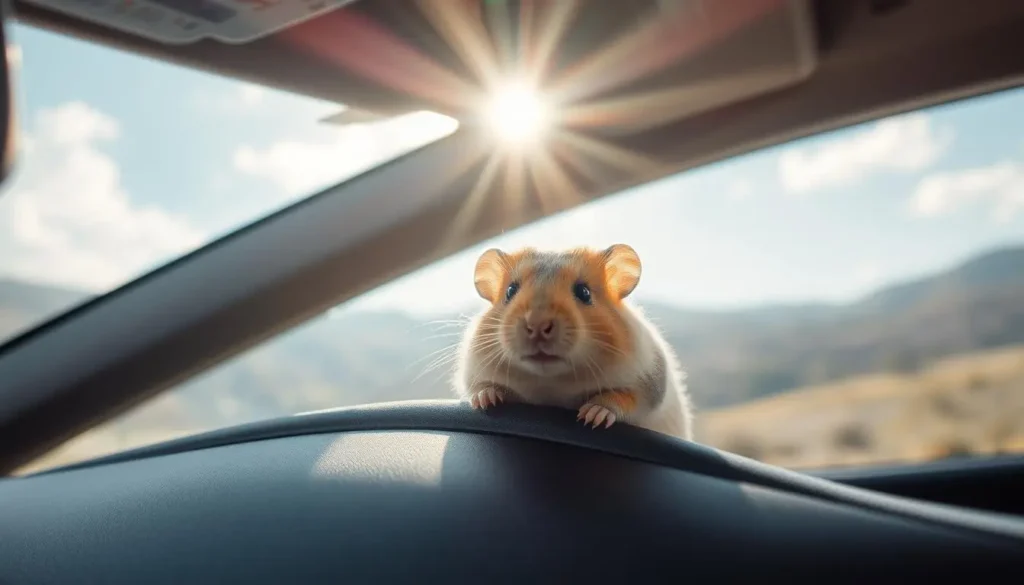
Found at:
(59, 386)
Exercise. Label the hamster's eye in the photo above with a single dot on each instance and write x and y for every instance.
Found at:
(511, 291)
(582, 292)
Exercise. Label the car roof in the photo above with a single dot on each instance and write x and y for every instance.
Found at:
(848, 61)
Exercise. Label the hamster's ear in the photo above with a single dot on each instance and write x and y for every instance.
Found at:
(490, 273)
(622, 269)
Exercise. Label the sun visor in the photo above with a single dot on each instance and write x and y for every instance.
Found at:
(690, 57)
(189, 21)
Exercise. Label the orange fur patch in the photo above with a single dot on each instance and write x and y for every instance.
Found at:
(625, 400)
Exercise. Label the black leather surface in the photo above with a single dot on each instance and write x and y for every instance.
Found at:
(557, 425)
(994, 483)
(463, 505)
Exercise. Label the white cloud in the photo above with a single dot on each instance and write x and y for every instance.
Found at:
(739, 190)
(65, 217)
(251, 94)
(301, 167)
(13, 53)
(1000, 185)
(905, 143)
(233, 98)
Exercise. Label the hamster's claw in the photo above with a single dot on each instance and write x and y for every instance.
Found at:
(487, 397)
(596, 415)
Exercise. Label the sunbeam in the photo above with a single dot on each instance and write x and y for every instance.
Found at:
(542, 124)
(517, 112)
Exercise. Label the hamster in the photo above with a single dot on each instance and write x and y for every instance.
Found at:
(559, 332)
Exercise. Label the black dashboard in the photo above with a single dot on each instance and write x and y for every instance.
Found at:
(435, 492)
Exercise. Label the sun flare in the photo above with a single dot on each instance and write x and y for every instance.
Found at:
(517, 113)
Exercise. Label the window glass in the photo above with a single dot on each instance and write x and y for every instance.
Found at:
(851, 298)
(126, 163)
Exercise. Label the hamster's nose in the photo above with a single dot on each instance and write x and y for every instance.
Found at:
(538, 329)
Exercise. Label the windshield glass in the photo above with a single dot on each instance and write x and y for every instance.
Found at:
(114, 179)
(850, 298)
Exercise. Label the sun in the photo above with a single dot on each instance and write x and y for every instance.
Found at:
(517, 112)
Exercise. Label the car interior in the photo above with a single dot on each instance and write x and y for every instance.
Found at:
(415, 491)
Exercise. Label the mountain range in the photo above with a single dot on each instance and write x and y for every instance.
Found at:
(730, 356)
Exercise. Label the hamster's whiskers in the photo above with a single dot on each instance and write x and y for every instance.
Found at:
(492, 358)
(442, 335)
(447, 355)
(591, 364)
(609, 347)
(572, 364)
(489, 336)
(445, 322)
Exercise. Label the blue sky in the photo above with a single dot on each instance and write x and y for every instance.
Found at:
(128, 162)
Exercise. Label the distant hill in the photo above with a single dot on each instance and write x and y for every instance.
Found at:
(744, 355)
(970, 404)
(988, 272)
(731, 357)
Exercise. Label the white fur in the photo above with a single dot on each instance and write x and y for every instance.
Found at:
(673, 416)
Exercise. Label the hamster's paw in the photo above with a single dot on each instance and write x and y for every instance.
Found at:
(487, 395)
(595, 415)
(607, 407)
